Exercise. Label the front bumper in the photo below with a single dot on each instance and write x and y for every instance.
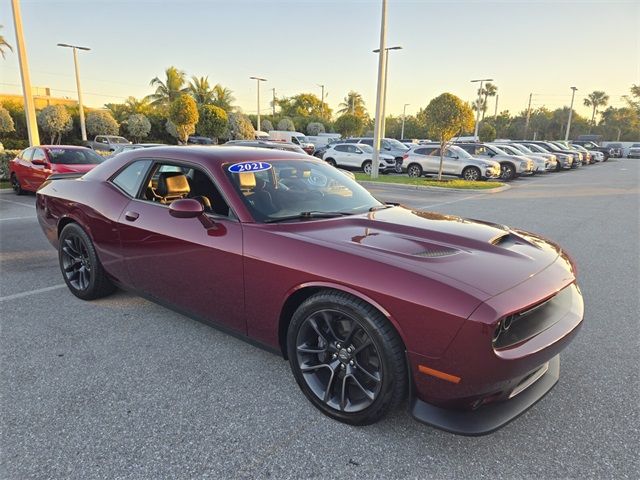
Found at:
(488, 418)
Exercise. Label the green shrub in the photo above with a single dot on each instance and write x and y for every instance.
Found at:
(5, 157)
(14, 143)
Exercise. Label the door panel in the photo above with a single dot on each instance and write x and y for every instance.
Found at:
(179, 261)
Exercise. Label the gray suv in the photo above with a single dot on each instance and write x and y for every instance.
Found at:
(388, 146)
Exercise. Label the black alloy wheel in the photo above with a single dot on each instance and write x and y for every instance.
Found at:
(366, 167)
(507, 171)
(15, 185)
(346, 358)
(398, 167)
(414, 170)
(80, 266)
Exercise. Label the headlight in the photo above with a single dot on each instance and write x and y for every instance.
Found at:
(523, 164)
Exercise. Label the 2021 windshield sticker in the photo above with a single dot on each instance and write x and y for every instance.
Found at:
(249, 167)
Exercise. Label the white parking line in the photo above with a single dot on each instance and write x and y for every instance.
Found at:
(32, 292)
(17, 218)
(17, 203)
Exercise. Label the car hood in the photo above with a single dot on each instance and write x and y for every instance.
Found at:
(488, 257)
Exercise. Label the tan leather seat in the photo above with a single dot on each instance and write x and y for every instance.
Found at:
(172, 186)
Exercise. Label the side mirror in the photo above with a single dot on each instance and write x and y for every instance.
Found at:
(186, 208)
(42, 163)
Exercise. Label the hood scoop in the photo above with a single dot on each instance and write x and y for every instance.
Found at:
(403, 245)
(509, 240)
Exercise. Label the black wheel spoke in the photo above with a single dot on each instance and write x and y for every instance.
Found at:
(368, 374)
(354, 329)
(362, 347)
(316, 328)
(308, 349)
(368, 393)
(326, 318)
(311, 368)
(327, 392)
(343, 394)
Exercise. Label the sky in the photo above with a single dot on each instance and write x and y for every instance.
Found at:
(539, 47)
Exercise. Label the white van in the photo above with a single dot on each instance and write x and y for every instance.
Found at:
(323, 139)
(296, 138)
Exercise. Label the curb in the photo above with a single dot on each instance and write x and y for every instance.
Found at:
(437, 189)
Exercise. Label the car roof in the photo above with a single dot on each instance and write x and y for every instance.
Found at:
(68, 147)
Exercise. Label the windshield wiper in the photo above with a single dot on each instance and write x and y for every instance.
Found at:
(382, 207)
(307, 215)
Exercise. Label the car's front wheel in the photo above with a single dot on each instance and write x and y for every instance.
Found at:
(507, 171)
(366, 167)
(15, 185)
(346, 357)
(471, 174)
(81, 268)
(331, 162)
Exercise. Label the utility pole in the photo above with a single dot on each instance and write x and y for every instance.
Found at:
(526, 124)
(404, 115)
(386, 77)
(479, 101)
(29, 105)
(258, 80)
(495, 113)
(322, 99)
(75, 48)
(273, 104)
(375, 163)
(573, 94)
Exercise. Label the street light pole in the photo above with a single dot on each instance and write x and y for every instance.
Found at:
(258, 80)
(322, 100)
(386, 77)
(573, 94)
(29, 106)
(404, 115)
(375, 162)
(273, 105)
(75, 49)
(526, 123)
(482, 80)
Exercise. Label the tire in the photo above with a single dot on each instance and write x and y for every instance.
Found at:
(507, 171)
(398, 167)
(15, 185)
(472, 174)
(80, 266)
(366, 167)
(414, 170)
(354, 360)
(331, 162)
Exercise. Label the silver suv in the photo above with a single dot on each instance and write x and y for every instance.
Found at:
(423, 159)
(511, 166)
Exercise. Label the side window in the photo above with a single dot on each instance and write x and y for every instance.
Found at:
(341, 148)
(420, 151)
(368, 141)
(168, 182)
(131, 177)
(352, 149)
(26, 154)
(38, 154)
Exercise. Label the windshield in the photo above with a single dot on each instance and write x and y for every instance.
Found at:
(302, 139)
(551, 146)
(499, 151)
(74, 157)
(537, 148)
(365, 148)
(523, 148)
(461, 152)
(510, 150)
(396, 144)
(118, 140)
(287, 188)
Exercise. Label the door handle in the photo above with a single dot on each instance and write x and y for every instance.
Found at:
(131, 216)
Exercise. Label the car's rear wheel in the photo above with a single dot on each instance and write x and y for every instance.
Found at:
(414, 170)
(507, 171)
(15, 185)
(331, 162)
(398, 167)
(346, 357)
(81, 269)
(366, 167)
(471, 173)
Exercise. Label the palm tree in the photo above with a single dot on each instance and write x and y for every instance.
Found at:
(166, 92)
(223, 98)
(596, 99)
(201, 91)
(133, 105)
(489, 90)
(4, 45)
(354, 104)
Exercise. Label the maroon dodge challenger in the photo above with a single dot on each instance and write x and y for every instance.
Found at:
(371, 303)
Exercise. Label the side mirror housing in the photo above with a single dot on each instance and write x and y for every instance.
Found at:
(186, 208)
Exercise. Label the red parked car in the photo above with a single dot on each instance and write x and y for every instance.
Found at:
(369, 302)
(32, 166)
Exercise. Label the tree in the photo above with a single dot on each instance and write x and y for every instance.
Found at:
(6, 122)
(183, 113)
(138, 126)
(54, 120)
(354, 104)
(4, 46)
(487, 133)
(596, 99)
(445, 117)
(286, 124)
(349, 125)
(315, 128)
(240, 127)
(223, 98)
(101, 122)
(169, 90)
(489, 90)
(266, 125)
(201, 91)
(213, 121)
(304, 105)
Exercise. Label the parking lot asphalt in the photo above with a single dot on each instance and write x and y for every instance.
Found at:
(124, 388)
